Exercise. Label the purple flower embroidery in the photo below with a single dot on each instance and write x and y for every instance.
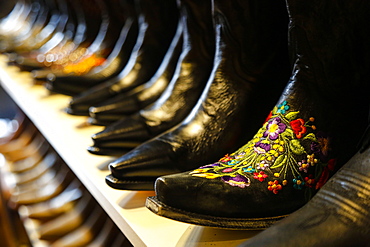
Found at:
(261, 148)
(209, 166)
(274, 128)
(238, 181)
(322, 147)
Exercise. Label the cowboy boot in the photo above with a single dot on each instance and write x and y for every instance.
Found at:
(158, 24)
(85, 67)
(132, 100)
(251, 67)
(338, 215)
(181, 94)
(310, 133)
(124, 104)
(44, 17)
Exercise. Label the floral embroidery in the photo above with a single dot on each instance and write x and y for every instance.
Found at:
(298, 127)
(309, 181)
(260, 176)
(286, 151)
(298, 183)
(238, 180)
(274, 186)
(325, 174)
(283, 107)
(274, 128)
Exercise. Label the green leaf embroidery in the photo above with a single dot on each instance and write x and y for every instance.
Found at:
(281, 160)
(291, 115)
(310, 136)
(296, 147)
(274, 110)
(288, 133)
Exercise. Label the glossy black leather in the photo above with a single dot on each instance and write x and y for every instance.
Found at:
(181, 94)
(128, 103)
(58, 21)
(114, 43)
(27, 61)
(145, 58)
(338, 215)
(6, 8)
(25, 14)
(316, 88)
(251, 56)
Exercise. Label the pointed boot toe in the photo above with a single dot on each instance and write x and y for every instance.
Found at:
(120, 137)
(139, 168)
(237, 207)
(113, 110)
(338, 215)
(25, 63)
(80, 104)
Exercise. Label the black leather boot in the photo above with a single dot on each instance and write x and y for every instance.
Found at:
(106, 57)
(338, 215)
(251, 68)
(18, 22)
(28, 61)
(49, 34)
(127, 103)
(310, 133)
(15, 22)
(181, 94)
(157, 26)
(47, 18)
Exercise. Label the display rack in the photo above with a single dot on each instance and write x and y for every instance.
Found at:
(70, 136)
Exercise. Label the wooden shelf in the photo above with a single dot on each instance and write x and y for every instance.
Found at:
(70, 136)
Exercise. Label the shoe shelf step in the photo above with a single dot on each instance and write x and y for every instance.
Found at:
(70, 136)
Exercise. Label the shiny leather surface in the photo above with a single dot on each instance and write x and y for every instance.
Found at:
(182, 93)
(316, 88)
(337, 216)
(235, 101)
(157, 26)
(126, 103)
(114, 42)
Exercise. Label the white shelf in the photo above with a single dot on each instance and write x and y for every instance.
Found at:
(70, 136)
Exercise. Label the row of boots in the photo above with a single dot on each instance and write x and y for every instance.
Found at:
(189, 86)
(52, 204)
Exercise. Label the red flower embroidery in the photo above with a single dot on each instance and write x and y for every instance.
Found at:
(274, 186)
(325, 173)
(298, 127)
(310, 181)
(226, 158)
(268, 117)
(260, 176)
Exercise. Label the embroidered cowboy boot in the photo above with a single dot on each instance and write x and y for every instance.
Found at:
(103, 59)
(56, 55)
(180, 96)
(338, 215)
(312, 131)
(250, 70)
(157, 27)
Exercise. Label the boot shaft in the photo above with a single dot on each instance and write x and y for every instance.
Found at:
(253, 31)
(196, 18)
(329, 37)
